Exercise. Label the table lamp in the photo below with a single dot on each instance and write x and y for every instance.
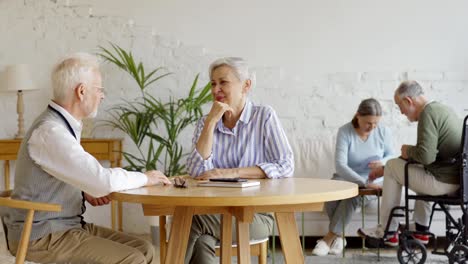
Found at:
(17, 78)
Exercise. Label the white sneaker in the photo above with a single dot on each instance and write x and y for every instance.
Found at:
(337, 246)
(321, 249)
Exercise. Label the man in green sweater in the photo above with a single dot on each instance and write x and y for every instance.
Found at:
(438, 142)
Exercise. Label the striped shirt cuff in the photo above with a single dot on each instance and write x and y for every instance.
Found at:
(198, 165)
(275, 171)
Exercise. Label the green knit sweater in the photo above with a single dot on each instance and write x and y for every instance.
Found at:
(439, 141)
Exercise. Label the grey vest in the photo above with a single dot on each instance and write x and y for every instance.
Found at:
(34, 184)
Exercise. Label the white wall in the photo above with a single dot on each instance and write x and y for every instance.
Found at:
(317, 36)
(315, 60)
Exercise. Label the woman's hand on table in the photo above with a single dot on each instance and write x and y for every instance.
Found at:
(219, 173)
(156, 177)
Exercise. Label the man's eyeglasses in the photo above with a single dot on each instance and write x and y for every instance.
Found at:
(180, 182)
(100, 89)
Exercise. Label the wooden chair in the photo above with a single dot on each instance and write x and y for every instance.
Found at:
(5, 200)
(257, 247)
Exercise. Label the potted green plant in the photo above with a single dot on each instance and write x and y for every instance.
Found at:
(151, 124)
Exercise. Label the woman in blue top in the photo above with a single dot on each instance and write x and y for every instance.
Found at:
(237, 139)
(361, 145)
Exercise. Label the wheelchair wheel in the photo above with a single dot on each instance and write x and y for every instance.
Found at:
(458, 254)
(412, 251)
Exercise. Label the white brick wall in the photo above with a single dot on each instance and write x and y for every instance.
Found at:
(310, 102)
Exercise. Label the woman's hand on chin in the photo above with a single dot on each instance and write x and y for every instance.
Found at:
(217, 111)
(219, 173)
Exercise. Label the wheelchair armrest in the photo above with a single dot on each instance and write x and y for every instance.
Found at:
(408, 163)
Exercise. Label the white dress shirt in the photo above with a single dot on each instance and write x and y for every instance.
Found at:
(58, 153)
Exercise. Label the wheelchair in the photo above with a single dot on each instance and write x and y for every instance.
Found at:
(456, 244)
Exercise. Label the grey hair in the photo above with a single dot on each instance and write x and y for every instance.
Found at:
(367, 107)
(70, 72)
(237, 64)
(409, 89)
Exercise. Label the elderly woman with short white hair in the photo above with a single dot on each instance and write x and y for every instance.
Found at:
(237, 139)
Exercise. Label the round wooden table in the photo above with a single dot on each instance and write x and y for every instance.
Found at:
(283, 197)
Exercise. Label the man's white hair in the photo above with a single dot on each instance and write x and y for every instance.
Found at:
(409, 88)
(70, 72)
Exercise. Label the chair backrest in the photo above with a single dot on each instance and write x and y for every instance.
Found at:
(5, 194)
(463, 161)
(6, 201)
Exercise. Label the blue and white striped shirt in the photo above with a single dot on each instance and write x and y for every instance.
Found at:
(258, 139)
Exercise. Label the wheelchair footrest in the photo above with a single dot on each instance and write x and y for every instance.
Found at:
(375, 242)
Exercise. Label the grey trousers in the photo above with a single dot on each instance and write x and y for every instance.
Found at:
(340, 212)
(206, 232)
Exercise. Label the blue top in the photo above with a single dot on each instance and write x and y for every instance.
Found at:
(258, 139)
(352, 154)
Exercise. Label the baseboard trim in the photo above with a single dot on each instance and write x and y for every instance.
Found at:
(352, 241)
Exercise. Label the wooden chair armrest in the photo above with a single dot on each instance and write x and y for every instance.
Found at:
(36, 206)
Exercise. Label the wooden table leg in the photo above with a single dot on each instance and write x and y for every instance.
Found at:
(116, 209)
(178, 239)
(7, 174)
(162, 238)
(289, 238)
(226, 238)
(113, 209)
(243, 245)
(119, 216)
(244, 216)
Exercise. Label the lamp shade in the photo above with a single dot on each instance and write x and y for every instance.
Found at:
(16, 78)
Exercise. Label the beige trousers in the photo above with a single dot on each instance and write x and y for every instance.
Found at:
(90, 244)
(420, 181)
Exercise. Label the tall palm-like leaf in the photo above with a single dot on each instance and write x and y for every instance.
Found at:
(126, 62)
(150, 123)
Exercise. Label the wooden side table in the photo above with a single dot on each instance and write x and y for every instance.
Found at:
(101, 148)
